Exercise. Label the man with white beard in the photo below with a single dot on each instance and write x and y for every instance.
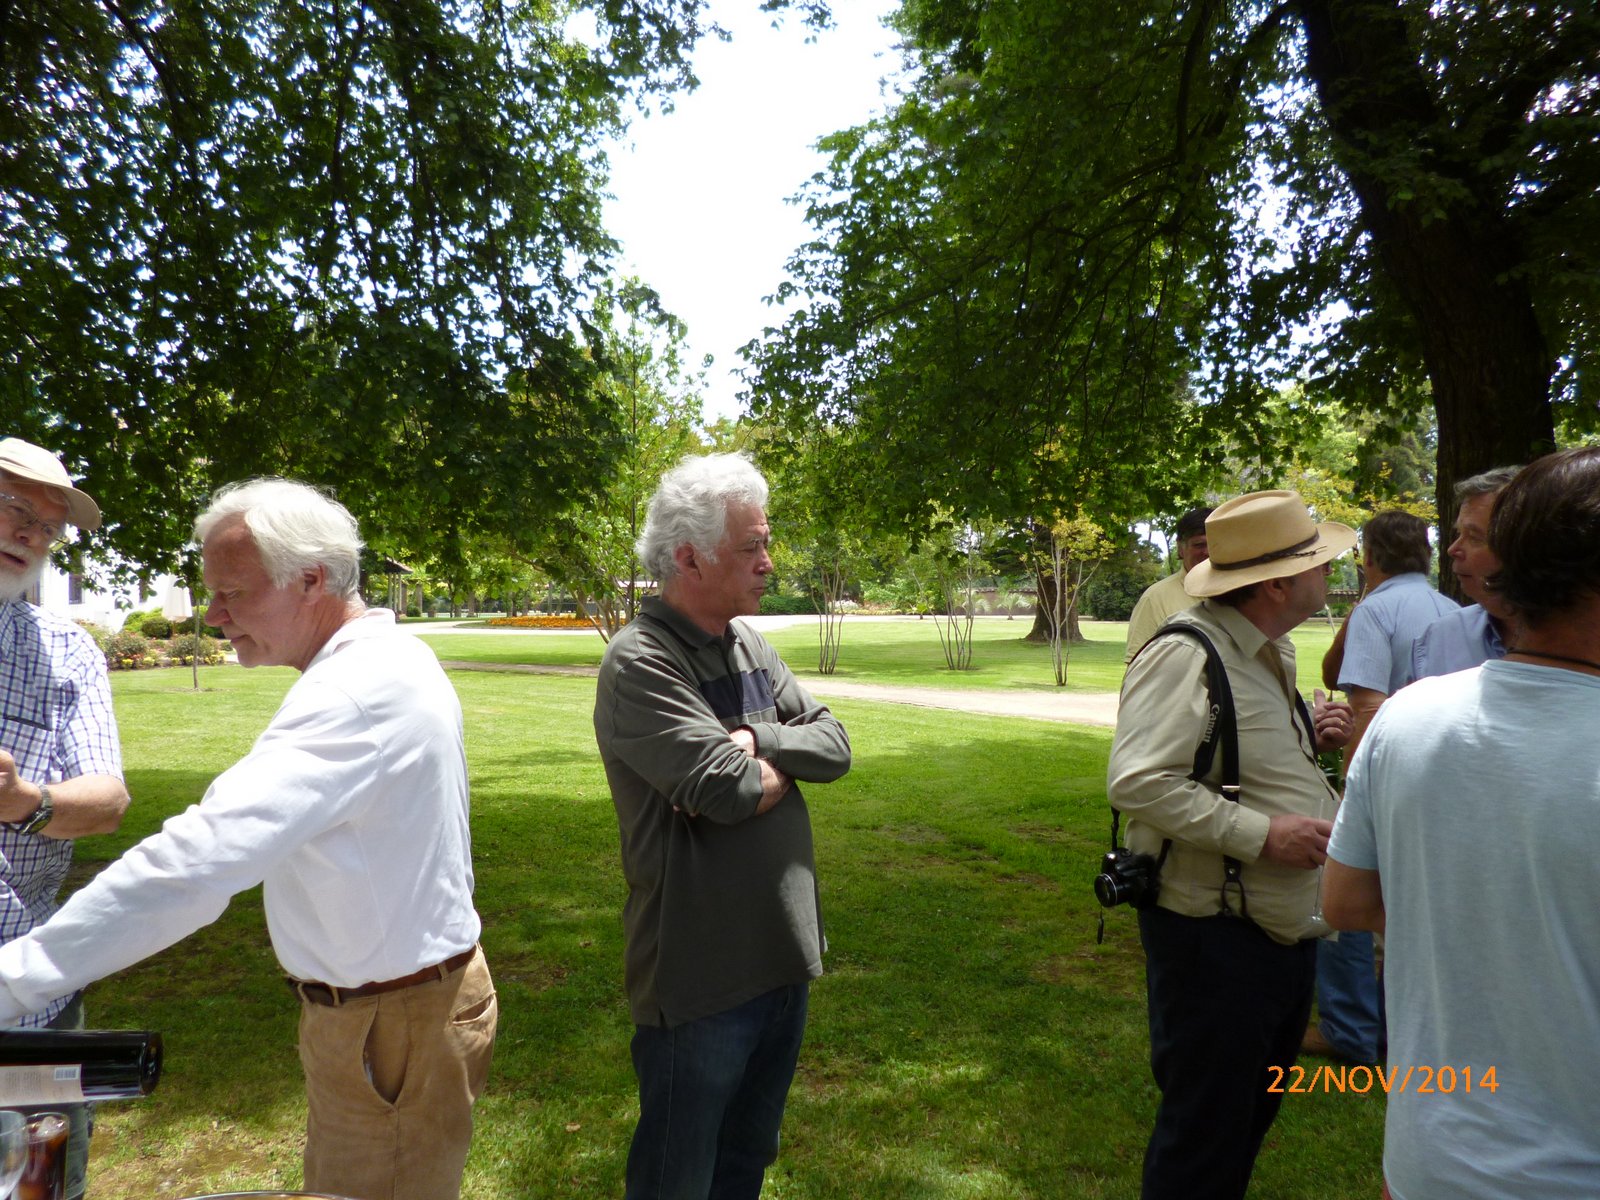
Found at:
(60, 763)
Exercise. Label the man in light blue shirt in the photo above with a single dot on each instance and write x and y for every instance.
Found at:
(1475, 634)
(1377, 663)
(1468, 835)
(1399, 605)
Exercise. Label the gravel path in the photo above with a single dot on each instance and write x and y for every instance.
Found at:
(1074, 708)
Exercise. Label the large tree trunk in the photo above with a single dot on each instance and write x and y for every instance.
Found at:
(1040, 633)
(1442, 238)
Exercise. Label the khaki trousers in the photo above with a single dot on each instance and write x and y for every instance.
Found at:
(390, 1084)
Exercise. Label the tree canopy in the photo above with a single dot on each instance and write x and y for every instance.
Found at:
(654, 398)
(1091, 241)
(352, 241)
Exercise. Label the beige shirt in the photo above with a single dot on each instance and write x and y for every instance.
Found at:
(1160, 721)
(1162, 600)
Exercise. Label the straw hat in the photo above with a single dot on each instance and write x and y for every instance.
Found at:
(24, 460)
(1264, 535)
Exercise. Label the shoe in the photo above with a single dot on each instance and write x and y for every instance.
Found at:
(1315, 1043)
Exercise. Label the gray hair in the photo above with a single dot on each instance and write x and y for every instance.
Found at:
(690, 508)
(1489, 483)
(295, 527)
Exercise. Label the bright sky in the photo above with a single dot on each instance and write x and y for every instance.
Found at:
(700, 193)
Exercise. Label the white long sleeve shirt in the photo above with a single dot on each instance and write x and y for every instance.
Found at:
(351, 808)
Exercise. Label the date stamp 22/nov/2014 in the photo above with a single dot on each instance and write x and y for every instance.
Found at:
(1391, 1081)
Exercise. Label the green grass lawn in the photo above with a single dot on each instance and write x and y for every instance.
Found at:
(969, 1039)
(904, 652)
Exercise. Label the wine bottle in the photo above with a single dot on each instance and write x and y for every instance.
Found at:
(62, 1066)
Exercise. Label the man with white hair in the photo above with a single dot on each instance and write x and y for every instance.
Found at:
(60, 763)
(352, 809)
(703, 731)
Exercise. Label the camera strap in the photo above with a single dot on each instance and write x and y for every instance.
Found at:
(1222, 729)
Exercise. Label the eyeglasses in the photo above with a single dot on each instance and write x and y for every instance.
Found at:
(24, 516)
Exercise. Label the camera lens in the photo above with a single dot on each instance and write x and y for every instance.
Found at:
(1110, 890)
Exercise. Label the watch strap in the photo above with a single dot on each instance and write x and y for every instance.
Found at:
(41, 815)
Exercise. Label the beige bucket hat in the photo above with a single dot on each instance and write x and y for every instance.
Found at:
(1264, 535)
(24, 460)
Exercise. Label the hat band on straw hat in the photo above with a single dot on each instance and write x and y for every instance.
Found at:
(1298, 548)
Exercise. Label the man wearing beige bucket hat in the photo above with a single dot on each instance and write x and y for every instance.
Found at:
(60, 762)
(1230, 939)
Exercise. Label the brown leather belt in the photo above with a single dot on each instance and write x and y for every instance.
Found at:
(326, 994)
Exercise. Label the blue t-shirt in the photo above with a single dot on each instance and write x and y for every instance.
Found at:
(1377, 646)
(1476, 797)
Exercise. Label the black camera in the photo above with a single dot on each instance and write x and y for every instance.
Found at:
(1127, 877)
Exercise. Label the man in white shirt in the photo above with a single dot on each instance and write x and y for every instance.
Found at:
(352, 809)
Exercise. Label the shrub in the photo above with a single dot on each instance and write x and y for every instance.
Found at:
(184, 647)
(134, 622)
(1112, 595)
(136, 618)
(99, 633)
(155, 626)
(787, 606)
(127, 651)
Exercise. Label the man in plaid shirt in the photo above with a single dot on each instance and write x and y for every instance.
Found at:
(60, 764)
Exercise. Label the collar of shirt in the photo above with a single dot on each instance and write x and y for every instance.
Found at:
(9, 613)
(1253, 643)
(371, 623)
(1491, 634)
(1395, 582)
(682, 627)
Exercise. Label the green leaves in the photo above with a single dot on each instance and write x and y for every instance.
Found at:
(1091, 241)
(357, 243)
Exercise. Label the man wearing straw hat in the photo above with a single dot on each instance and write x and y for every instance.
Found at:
(1230, 943)
(60, 764)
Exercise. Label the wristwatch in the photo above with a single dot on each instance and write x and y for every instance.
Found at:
(41, 815)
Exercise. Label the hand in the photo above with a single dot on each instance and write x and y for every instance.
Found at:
(775, 786)
(18, 799)
(774, 783)
(1334, 721)
(1294, 841)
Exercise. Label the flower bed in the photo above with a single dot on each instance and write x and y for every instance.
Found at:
(582, 623)
(128, 651)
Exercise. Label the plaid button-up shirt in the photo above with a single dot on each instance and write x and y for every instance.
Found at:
(56, 721)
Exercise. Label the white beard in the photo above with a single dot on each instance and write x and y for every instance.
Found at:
(14, 585)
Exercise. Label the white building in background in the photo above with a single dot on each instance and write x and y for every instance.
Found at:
(71, 596)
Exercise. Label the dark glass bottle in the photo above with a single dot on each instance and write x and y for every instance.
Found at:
(50, 1066)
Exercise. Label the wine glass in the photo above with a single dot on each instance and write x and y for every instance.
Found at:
(13, 1149)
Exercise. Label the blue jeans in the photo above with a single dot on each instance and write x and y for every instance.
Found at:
(1349, 1002)
(711, 1095)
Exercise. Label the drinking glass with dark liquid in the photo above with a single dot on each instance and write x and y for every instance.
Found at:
(45, 1176)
